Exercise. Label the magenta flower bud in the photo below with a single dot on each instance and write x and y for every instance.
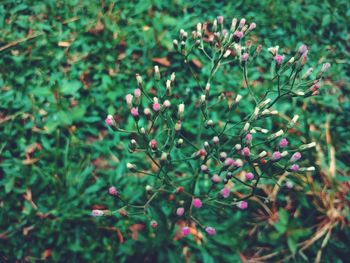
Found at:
(248, 138)
(295, 167)
(225, 192)
(276, 156)
(210, 230)
(283, 143)
(279, 59)
(295, 157)
(97, 212)
(229, 162)
(252, 26)
(215, 178)
(137, 93)
(246, 151)
(315, 87)
(180, 211)
(109, 120)
(245, 57)
(249, 176)
(220, 20)
(153, 144)
(135, 112)
(242, 205)
(113, 191)
(154, 224)
(156, 107)
(186, 231)
(224, 32)
(197, 203)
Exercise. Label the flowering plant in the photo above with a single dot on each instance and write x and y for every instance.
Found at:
(224, 164)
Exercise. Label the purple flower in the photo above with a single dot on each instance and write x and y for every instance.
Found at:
(97, 212)
(113, 191)
(276, 156)
(246, 151)
(210, 230)
(245, 57)
(279, 59)
(180, 211)
(283, 143)
(249, 176)
(294, 167)
(197, 203)
(186, 231)
(220, 20)
(225, 192)
(242, 205)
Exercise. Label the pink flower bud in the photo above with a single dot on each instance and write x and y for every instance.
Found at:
(180, 211)
(237, 35)
(225, 192)
(154, 224)
(215, 178)
(97, 212)
(128, 99)
(245, 57)
(325, 67)
(303, 49)
(220, 20)
(134, 112)
(248, 138)
(295, 167)
(216, 139)
(283, 143)
(246, 151)
(249, 176)
(113, 191)
(156, 107)
(242, 205)
(279, 59)
(252, 26)
(197, 203)
(166, 104)
(137, 93)
(186, 231)
(242, 22)
(229, 162)
(210, 230)
(109, 120)
(276, 156)
(295, 157)
(153, 144)
(204, 168)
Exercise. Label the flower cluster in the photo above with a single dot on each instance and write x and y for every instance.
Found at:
(233, 150)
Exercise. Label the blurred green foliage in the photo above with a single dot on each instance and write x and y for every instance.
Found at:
(65, 65)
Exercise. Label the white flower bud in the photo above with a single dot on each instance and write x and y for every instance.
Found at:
(246, 127)
(238, 98)
(181, 109)
(264, 103)
(148, 188)
(238, 147)
(262, 154)
(227, 53)
(284, 154)
(172, 77)
(142, 130)
(202, 98)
